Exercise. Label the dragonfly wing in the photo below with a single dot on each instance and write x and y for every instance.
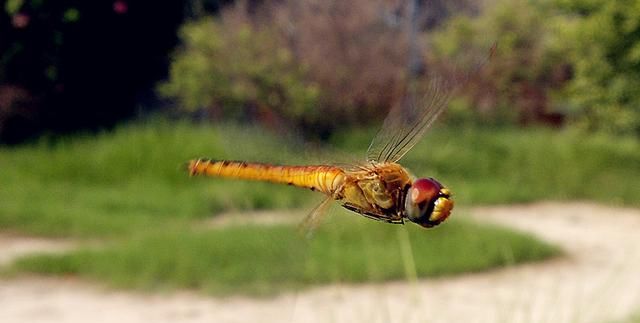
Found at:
(313, 219)
(406, 123)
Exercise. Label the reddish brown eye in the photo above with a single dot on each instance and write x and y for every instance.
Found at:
(424, 189)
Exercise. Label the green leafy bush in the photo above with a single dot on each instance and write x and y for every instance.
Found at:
(328, 64)
(516, 84)
(312, 63)
(231, 67)
(579, 58)
(604, 39)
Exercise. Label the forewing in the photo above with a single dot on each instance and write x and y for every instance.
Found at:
(407, 122)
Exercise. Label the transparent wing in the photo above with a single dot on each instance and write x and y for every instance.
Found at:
(406, 123)
(313, 219)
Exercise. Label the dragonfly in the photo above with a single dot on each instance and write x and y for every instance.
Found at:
(378, 188)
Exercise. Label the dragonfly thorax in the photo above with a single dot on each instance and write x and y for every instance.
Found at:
(427, 202)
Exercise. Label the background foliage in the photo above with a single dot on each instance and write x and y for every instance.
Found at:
(557, 62)
(528, 64)
(68, 65)
(305, 62)
(317, 65)
(604, 50)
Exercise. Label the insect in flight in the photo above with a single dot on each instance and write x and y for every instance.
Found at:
(380, 188)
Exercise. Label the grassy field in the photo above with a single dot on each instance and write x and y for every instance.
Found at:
(134, 178)
(261, 260)
(128, 190)
(131, 179)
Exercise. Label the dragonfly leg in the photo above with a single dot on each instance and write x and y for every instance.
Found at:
(394, 219)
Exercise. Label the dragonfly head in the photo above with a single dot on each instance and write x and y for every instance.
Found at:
(428, 203)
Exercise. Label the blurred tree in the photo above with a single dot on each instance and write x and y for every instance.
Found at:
(604, 39)
(234, 69)
(528, 64)
(313, 63)
(353, 50)
(438, 12)
(329, 62)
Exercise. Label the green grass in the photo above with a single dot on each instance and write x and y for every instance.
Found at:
(117, 183)
(131, 179)
(128, 189)
(266, 259)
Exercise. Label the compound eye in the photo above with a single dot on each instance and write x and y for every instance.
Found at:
(424, 190)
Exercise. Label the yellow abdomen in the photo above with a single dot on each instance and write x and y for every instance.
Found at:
(326, 179)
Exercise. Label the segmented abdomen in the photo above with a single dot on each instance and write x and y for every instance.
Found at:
(326, 179)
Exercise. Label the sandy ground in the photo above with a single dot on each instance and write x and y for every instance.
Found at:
(598, 281)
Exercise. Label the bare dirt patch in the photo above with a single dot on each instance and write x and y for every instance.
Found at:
(598, 281)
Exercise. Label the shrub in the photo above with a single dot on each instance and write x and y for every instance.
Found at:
(231, 67)
(528, 63)
(356, 52)
(308, 62)
(605, 50)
